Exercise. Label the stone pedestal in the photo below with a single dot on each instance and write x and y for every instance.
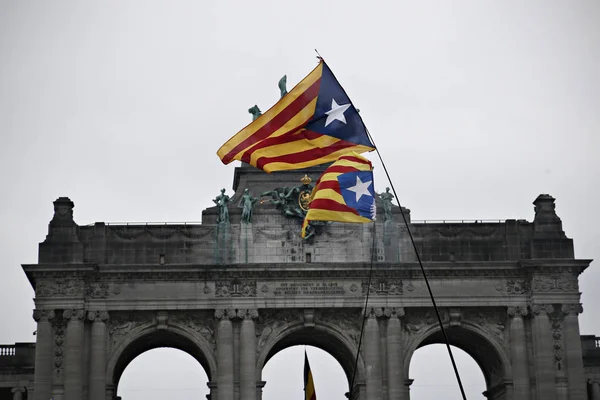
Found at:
(246, 245)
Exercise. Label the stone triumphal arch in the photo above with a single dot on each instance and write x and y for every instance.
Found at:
(241, 286)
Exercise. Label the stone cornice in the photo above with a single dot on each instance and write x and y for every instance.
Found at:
(408, 271)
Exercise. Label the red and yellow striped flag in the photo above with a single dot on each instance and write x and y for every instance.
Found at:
(309, 385)
(345, 193)
(313, 124)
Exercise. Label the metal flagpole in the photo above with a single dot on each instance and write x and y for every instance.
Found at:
(412, 240)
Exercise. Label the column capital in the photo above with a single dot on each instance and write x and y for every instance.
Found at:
(226, 314)
(247, 314)
(393, 312)
(43, 315)
(74, 315)
(542, 309)
(517, 311)
(18, 390)
(572, 309)
(98, 316)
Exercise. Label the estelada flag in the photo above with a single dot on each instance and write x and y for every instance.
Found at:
(313, 124)
(345, 192)
(309, 385)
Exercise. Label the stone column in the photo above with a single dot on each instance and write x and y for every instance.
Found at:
(248, 354)
(574, 356)
(372, 356)
(595, 389)
(543, 348)
(395, 365)
(18, 393)
(224, 354)
(73, 354)
(518, 353)
(42, 376)
(97, 388)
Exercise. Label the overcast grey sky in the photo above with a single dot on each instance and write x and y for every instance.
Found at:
(477, 107)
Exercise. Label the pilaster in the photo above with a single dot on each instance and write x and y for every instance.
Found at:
(573, 352)
(73, 354)
(518, 353)
(395, 366)
(372, 356)
(225, 352)
(543, 352)
(42, 375)
(97, 388)
(594, 389)
(248, 354)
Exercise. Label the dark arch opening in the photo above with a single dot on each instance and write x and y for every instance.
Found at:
(433, 376)
(163, 373)
(158, 339)
(322, 339)
(475, 345)
(284, 374)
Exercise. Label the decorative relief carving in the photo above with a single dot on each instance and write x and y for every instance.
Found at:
(101, 290)
(555, 283)
(416, 319)
(201, 323)
(101, 316)
(542, 309)
(517, 286)
(59, 341)
(235, 288)
(519, 311)
(347, 321)
(123, 324)
(572, 309)
(556, 321)
(129, 233)
(271, 320)
(43, 315)
(73, 315)
(57, 288)
(490, 320)
(382, 287)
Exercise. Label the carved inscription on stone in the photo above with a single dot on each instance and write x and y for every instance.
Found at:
(308, 288)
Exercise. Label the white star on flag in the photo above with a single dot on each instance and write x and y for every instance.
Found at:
(336, 113)
(361, 188)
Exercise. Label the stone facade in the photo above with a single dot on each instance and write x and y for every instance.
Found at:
(234, 294)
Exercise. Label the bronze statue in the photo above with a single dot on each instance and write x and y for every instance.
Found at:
(386, 198)
(247, 202)
(221, 201)
(255, 111)
(283, 86)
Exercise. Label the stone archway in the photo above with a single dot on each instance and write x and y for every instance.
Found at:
(483, 338)
(130, 336)
(335, 333)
